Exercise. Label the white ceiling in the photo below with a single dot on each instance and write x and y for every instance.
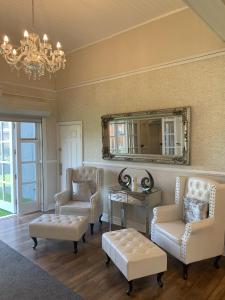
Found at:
(77, 23)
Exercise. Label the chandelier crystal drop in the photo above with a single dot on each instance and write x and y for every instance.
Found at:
(34, 55)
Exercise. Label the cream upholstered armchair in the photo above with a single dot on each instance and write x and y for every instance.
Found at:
(197, 240)
(82, 195)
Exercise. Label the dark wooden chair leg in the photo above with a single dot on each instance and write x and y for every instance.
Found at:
(83, 238)
(130, 287)
(100, 219)
(159, 279)
(216, 262)
(185, 271)
(108, 260)
(35, 242)
(75, 247)
(92, 228)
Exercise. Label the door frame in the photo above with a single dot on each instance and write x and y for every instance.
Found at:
(58, 124)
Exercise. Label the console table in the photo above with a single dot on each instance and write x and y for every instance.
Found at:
(124, 196)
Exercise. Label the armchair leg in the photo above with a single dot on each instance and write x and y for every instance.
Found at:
(83, 238)
(100, 219)
(75, 247)
(92, 228)
(185, 271)
(216, 262)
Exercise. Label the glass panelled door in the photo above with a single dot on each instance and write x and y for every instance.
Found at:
(6, 167)
(28, 144)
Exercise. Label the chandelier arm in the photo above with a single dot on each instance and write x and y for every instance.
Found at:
(13, 59)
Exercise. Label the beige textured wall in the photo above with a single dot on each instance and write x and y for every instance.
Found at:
(198, 84)
(174, 37)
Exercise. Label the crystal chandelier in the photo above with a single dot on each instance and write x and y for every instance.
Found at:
(33, 55)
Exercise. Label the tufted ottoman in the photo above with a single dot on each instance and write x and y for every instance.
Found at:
(59, 227)
(134, 255)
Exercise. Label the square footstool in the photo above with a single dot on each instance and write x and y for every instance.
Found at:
(59, 227)
(134, 255)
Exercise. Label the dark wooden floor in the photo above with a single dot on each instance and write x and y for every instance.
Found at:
(87, 274)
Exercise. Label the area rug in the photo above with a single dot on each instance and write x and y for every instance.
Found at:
(20, 279)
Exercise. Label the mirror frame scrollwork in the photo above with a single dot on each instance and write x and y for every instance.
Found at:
(185, 112)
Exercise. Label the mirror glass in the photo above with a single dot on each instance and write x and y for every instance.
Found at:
(154, 137)
(159, 136)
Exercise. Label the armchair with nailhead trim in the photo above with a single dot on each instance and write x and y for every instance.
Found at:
(198, 240)
(82, 196)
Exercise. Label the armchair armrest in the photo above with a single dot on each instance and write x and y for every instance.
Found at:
(62, 197)
(166, 213)
(95, 199)
(201, 225)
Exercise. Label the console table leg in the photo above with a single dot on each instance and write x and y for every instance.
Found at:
(110, 213)
(147, 221)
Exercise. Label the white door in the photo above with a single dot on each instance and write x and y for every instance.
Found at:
(70, 149)
(28, 166)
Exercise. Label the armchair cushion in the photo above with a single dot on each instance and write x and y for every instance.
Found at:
(79, 208)
(194, 210)
(172, 230)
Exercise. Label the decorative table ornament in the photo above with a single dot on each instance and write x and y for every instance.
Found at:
(124, 180)
(147, 183)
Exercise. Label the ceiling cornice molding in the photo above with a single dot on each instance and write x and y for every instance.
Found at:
(128, 29)
(3, 82)
(169, 64)
(14, 89)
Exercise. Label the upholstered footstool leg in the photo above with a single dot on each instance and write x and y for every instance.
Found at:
(75, 247)
(130, 287)
(108, 260)
(83, 238)
(92, 228)
(216, 262)
(159, 279)
(185, 271)
(35, 242)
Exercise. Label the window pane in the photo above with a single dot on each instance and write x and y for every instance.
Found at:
(6, 151)
(28, 192)
(27, 131)
(7, 190)
(5, 125)
(1, 191)
(5, 135)
(1, 171)
(1, 158)
(28, 152)
(28, 172)
(6, 172)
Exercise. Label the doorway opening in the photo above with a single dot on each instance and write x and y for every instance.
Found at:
(20, 167)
